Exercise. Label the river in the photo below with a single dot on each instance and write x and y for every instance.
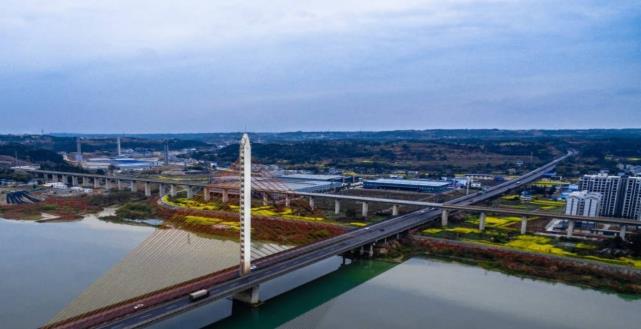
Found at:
(45, 266)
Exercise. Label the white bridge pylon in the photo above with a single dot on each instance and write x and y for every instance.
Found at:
(245, 204)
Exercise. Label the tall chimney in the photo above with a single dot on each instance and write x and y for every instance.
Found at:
(78, 150)
(166, 153)
(118, 145)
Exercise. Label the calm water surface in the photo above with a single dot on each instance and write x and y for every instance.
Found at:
(45, 266)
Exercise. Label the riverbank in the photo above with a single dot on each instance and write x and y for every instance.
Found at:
(620, 279)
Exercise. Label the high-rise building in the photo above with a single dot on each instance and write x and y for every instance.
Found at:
(583, 203)
(631, 203)
(621, 195)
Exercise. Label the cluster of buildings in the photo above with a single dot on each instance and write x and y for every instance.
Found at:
(606, 195)
(120, 161)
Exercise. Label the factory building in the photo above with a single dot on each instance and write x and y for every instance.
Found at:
(407, 185)
(311, 183)
(314, 177)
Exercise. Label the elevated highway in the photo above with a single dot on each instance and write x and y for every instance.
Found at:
(175, 300)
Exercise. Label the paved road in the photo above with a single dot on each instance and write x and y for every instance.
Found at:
(286, 262)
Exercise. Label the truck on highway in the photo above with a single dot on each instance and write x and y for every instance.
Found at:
(196, 295)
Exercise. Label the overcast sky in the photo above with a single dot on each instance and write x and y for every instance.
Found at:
(283, 65)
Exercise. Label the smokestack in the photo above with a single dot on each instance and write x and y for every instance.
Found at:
(78, 150)
(166, 153)
(118, 146)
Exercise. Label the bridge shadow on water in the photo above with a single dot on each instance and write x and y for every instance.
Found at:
(284, 298)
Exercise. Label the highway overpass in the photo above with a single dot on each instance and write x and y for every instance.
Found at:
(175, 300)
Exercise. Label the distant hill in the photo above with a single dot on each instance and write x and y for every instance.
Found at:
(430, 134)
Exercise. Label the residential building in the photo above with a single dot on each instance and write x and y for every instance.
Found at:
(621, 195)
(583, 203)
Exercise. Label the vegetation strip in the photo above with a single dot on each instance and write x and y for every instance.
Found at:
(622, 279)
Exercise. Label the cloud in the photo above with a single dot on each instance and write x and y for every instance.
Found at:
(288, 64)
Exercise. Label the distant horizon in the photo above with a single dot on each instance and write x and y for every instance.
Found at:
(313, 131)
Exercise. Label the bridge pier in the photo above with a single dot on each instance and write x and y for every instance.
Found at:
(86, 181)
(482, 222)
(395, 210)
(365, 209)
(74, 180)
(371, 251)
(161, 189)
(172, 190)
(190, 192)
(132, 186)
(570, 230)
(206, 195)
(265, 199)
(65, 179)
(147, 189)
(250, 296)
(107, 184)
(622, 231)
(444, 217)
(311, 203)
(225, 196)
(337, 206)
(288, 201)
(523, 225)
(96, 182)
(119, 184)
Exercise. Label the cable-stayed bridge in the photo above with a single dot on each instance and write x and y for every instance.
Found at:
(141, 305)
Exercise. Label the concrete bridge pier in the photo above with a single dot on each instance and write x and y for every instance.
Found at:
(119, 184)
(190, 192)
(265, 199)
(96, 182)
(74, 180)
(570, 230)
(482, 222)
(86, 181)
(337, 206)
(362, 251)
(365, 209)
(250, 296)
(311, 203)
(132, 186)
(523, 225)
(107, 184)
(225, 196)
(161, 189)
(444, 217)
(395, 210)
(622, 231)
(206, 195)
(147, 189)
(172, 190)
(65, 179)
(288, 201)
(370, 252)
